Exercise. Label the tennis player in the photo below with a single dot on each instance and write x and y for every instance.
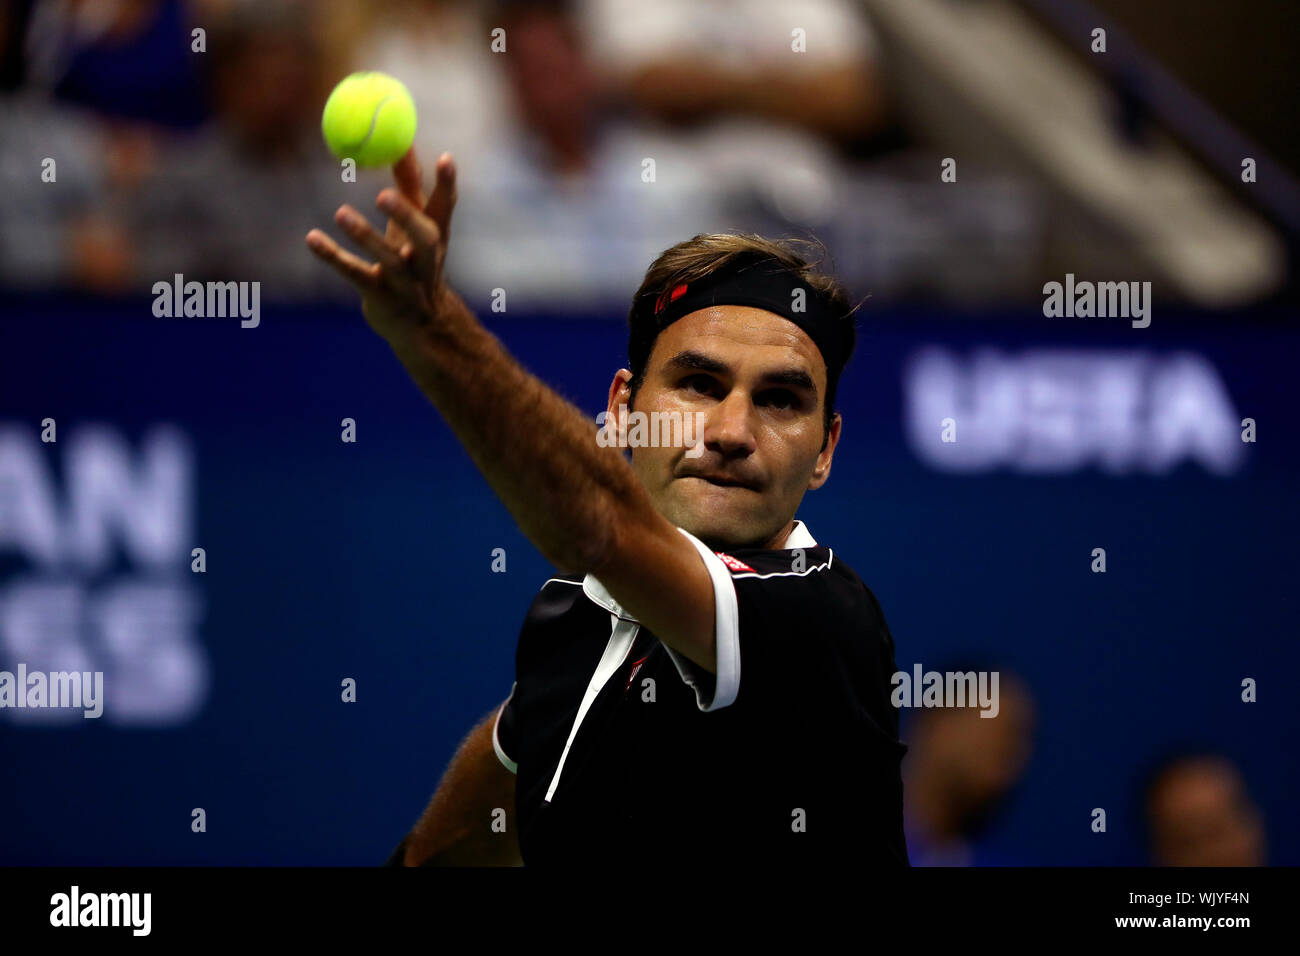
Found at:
(704, 682)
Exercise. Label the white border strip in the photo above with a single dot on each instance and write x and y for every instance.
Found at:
(496, 741)
(621, 638)
(824, 566)
(726, 630)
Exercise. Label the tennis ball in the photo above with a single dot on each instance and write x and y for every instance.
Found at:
(370, 117)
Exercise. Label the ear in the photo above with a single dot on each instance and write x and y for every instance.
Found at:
(822, 470)
(619, 395)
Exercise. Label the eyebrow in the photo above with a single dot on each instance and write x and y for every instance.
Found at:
(699, 362)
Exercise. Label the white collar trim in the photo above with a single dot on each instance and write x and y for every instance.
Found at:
(799, 537)
(596, 591)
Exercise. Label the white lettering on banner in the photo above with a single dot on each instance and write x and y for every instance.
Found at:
(102, 583)
(1060, 410)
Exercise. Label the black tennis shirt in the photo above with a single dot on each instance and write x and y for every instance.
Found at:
(626, 752)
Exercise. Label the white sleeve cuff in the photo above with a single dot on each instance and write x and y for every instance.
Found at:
(726, 629)
(496, 741)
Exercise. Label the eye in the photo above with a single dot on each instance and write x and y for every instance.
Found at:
(779, 398)
(700, 384)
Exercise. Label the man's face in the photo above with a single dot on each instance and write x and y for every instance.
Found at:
(977, 760)
(757, 384)
(1201, 816)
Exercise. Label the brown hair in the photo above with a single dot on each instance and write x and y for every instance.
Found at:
(704, 254)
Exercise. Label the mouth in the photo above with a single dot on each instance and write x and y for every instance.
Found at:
(723, 482)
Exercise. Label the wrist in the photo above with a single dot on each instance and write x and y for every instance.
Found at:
(415, 340)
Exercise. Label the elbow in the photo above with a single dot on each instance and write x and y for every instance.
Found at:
(615, 526)
(596, 548)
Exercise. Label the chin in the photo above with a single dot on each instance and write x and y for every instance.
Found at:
(720, 517)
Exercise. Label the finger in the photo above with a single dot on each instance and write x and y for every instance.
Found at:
(443, 199)
(410, 183)
(424, 238)
(364, 275)
(410, 178)
(364, 235)
(394, 236)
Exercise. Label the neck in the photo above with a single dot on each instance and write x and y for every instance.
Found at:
(777, 542)
(774, 543)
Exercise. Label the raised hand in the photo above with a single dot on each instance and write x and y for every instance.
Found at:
(402, 290)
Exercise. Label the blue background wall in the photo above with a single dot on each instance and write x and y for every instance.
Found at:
(372, 560)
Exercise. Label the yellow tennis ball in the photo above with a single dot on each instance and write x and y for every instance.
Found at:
(370, 117)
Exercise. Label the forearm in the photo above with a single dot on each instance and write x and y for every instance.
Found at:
(843, 102)
(456, 829)
(538, 452)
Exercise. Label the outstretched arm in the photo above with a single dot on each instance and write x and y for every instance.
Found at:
(456, 829)
(580, 504)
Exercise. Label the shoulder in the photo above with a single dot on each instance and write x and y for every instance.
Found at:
(814, 584)
(556, 601)
(561, 621)
(813, 568)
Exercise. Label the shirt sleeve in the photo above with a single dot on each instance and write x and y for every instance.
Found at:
(503, 733)
(715, 691)
(781, 633)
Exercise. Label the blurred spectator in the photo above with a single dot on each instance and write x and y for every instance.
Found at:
(234, 200)
(685, 61)
(1199, 813)
(96, 83)
(572, 203)
(129, 59)
(55, 232)
(440, 50)
(577, 197)
(958, 773)
(132, 203)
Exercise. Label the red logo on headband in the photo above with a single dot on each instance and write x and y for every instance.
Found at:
(671, 297)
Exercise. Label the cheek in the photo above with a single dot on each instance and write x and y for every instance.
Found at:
(667, 400)
(652, 464)
(794, 456)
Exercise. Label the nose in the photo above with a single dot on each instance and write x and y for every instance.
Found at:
(729, 427)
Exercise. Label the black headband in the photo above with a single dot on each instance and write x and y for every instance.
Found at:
(762, 284)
